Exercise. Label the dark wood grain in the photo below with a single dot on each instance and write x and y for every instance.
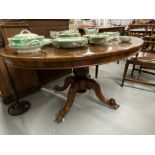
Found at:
(79, 59)
(57, 58)
(27, 79)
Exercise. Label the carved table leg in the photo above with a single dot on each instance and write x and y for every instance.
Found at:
(80, 82)
(19, 107)
(111, 103)
(70, 99)
(69, 80)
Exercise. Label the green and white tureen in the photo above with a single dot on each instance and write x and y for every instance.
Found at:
(27, 42)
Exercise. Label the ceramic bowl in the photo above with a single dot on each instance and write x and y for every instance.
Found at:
(112, 35)
(54, 34)
(125, 38)
(97, 38)
(91, 31)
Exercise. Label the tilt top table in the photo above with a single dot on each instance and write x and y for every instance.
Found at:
(79, 59)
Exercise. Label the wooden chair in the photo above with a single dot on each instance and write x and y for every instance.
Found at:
(141, 30)
(145, 59)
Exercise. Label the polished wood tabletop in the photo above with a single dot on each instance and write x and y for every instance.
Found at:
(79, 59)
(57, 58)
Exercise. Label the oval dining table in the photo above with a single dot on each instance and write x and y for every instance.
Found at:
(78, 59)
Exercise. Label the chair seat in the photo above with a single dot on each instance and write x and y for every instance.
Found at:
(146, 55)
(144, 59)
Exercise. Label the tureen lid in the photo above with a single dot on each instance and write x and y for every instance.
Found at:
(25, 35)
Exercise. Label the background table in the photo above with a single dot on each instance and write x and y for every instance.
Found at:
(119, 29)
(78, 59)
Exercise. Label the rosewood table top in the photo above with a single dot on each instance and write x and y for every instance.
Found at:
(79, 59)
(57, 58)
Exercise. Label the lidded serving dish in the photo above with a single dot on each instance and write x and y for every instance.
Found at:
(25, 38)
(69, 39)
(27, 42)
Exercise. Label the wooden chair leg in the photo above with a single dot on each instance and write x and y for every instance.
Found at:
(134, 64)
(140, 69)
(133, 68)
(125, 72)
(96, 71)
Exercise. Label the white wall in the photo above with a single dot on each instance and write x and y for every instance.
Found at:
(123, 22)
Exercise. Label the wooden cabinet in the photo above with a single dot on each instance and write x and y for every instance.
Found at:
(28, 80)
(43, 27)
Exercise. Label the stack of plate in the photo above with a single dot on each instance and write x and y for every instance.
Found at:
(70, 42)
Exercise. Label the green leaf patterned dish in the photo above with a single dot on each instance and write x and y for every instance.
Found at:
(70, 42)
(125, 38)
(91, 31)
(69, 33)
(33, 48)
(112, 35)
(96, 38)
(25, 39)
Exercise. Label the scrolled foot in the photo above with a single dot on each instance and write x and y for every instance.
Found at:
(111, 103)
(59, 119)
